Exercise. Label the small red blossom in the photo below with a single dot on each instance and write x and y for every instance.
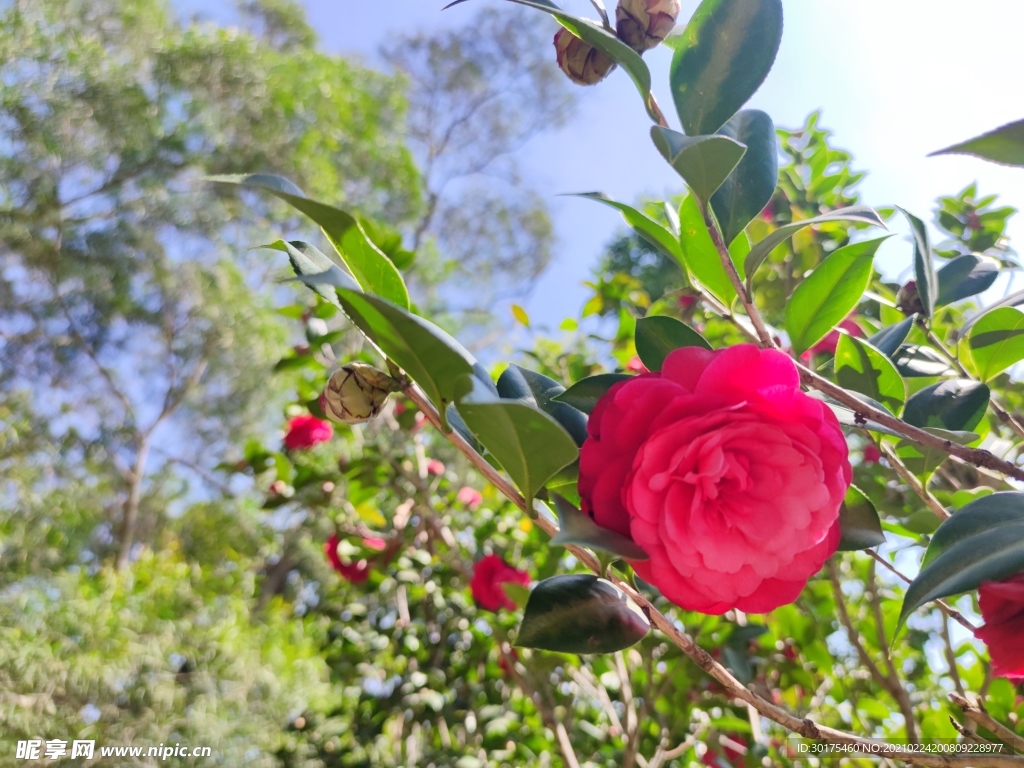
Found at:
(435, 467)
(636, 365)
(1002, 607)
(686, 301)
(306, 431)
(872, 455)
(469, 497)
(372, 542)
(830, 342)
(489, 573)
(354, 572)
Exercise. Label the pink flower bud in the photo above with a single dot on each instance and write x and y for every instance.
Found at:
(872, 455)
(636, 365)
(356, 393)
(470, 497)
(643, 24)
(582, 63)
(435, 467)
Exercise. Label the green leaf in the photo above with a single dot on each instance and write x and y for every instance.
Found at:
(389, 240)
(859, 214)
(535, 389)
(704, 162)
(1004, 145)
(864, 369)
(606, 42)
(565, 483)
(308, 261)
(577, 613)
(701, 256)
(922, 460)
(965, 276)
(651, 231)
(574, 527)
(584, 394)
(374, 271)
(431, 358)
(530, 445)
(957, 404)
(850, 418)
(914, 361)
(657, 336)
(750, 187)
(722, 56)
(827, 295)
(996, 341)
(859, 522)
(888, 340)
(983, 541)
(924, 266)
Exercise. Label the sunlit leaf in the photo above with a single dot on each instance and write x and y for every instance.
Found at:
(657, 336)
(749, 188)
(996, 341)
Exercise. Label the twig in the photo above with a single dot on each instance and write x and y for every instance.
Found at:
(977, 713)
(896, 687)
(950, 611)
(911, 479)
(951, 657)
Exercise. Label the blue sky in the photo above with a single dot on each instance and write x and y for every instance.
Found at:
(895, 80)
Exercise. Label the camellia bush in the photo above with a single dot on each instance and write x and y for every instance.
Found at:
(773, 519)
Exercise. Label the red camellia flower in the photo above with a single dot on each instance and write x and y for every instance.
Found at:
(724, 472)
(306, 431)
(872, 455)
(489, 573)
(1002, 607)
(354, 572)
(470, 497)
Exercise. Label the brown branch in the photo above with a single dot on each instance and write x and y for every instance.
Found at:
(896, 686)
(912, 480)
(954, 673)
(953, 613)
(976, 712)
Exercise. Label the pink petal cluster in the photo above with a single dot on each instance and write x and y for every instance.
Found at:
(306, 431)
(724, 472)
(489, 573)
(469, 497)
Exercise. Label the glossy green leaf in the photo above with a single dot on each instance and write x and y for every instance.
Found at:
(983, 541)
(1004, 145)
(923, 460)
(888, 340)
(574, 527)
(577, 613)
(915, 361)
(374, 271)
(957, 404)
(924, 265)
(605, 41)
(535, 389)
(704, 162)
(308, 261)
(862, 368)
(530, 445)
(859, 522)
(859, 214)
(965, 276)
(656, 235)
(700, 255)
(584, 394)
(721, 58)
(996, 341)
(657, 336)
(565, 483)
(750, 187)
(827, 295)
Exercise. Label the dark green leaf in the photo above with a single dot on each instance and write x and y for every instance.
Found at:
(584, 394)
(859, 214)
(862, 368)
(888, 340)
(859, 522)
(957, 404)
(374, 271)
(997, 341)
(565, 482)
(308, 262)
(1004, 145)
(651, 231)
(913, 361)
(574, 527)
(722, 56)
(704, 162)
(983, 541)
(700, 255)
(530, 445)
(657, 336)
(605, 41)
(965, 276)
(924, 266)
(535, 389)
(579, 613)
(827, 295)
(750, 187)
(922, 460)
